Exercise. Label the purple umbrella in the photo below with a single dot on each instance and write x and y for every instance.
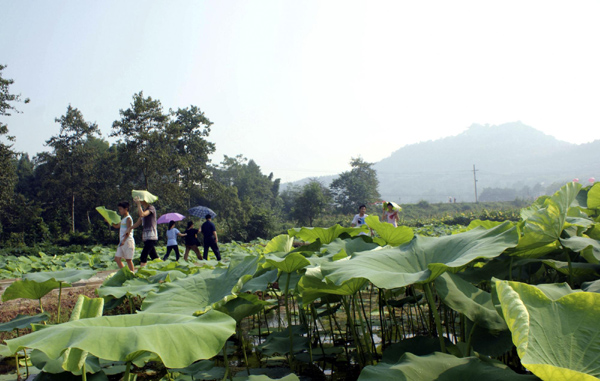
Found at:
(166, 218)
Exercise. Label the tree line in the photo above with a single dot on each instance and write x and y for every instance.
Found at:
(52, 196)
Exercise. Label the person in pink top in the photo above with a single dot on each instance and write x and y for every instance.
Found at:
(390, 215)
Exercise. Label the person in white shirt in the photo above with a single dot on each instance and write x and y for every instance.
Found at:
(359, 219)
(126, 247)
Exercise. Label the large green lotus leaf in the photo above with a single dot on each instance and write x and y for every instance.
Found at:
(29, 289)
(545, 225)
(261, 282)
(312, 286)
(441, 367)
(536, 251)
(349, 246)
(244, 305)
(178, 340)
(166, 276)
(279, 342)
(282, 242)
(23, 321)
(325, 235)
(65, 276)
(576, 269)
(144, 195)
(201, 370)
(486, 224)
(118, 278)
(109, 215)
(469, 300)
(593, 197)
(134, 287)
(591, 286)
(393, 236)
(290, 263)
(423, 259)
(417, 345)
(588, 247)
(263, 377)
(556, 339)
(199, 292)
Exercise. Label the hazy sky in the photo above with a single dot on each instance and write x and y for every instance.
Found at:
(303, 86)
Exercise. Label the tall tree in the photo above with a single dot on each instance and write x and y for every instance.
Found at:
(312, 201)
(73, 160)
(8, 177)
(355, 187)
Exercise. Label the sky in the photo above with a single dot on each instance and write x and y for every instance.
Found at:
(302, 87)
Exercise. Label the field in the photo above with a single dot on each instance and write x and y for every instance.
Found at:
(496, 300)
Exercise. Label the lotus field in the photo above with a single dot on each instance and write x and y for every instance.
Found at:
(491, 301)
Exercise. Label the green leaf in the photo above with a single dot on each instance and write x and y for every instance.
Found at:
(469, 300)
(312, 286)
(65, 276)
(440, 366)
(109, 215)
(290, 263)
(393, 236)
(23, 321)
(262, 377)
(178, 340)
(325, 235)
(348, 246)
(243, 306)
(423, 259)
(144, 195)
(282, 242)
(118, 278)
(588, 247)
(134, 287)
(279, 342)
(29, 289)
(556, 338)
(201, 291)
(593, 197)
(577, 269)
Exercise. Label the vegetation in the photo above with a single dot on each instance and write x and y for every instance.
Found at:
(495, 300)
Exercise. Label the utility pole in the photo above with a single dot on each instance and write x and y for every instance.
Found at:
(475, 182)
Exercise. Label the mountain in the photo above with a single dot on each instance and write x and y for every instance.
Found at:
(510, 155)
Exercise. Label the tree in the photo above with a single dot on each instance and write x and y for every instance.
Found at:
(8, 177)
(355, 187)
(312, 201)
(72, 159)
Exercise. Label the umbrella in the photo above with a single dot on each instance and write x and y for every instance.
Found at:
(166, 218)
(201, 211)
(109, 215)
(144, 196)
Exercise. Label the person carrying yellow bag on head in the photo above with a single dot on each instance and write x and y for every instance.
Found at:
(391, 214)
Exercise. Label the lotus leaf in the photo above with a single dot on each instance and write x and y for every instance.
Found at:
(441, 367)
(178, 340)
(392, 236)
(134, 287)
(312, 286)
(588, 247)
(23, 321)
(260, 282)
(65, 276)
(577, 269)
(556, 335)
(243, 306)
(199, 292)
(282, 242)
(29, 289)
(591, 286)
(423, 259)
(262, 377)
(290, 263)
(469, 300)
(325, 235)
(202, 370)
(593, 197)
(349, 246)
(279, 342)
(109, 215)
(144, 195)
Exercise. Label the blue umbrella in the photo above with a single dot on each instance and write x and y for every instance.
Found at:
(201, 211)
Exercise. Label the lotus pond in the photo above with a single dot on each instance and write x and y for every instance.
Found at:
(493, 300)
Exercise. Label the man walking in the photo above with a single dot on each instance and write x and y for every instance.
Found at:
(209, 231)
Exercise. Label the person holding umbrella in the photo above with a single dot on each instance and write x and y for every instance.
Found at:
(209, 231)
(172, 234)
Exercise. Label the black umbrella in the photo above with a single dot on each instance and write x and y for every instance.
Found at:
(201, 211)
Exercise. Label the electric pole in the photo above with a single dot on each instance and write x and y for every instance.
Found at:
(475, 182)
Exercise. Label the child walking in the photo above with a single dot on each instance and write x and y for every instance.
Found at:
(172, 234)
(126, 247)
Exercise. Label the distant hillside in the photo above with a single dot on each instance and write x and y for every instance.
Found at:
(510, 155)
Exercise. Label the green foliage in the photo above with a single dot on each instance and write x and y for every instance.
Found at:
(355, 187)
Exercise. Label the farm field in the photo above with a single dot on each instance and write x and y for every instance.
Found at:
(494, 300)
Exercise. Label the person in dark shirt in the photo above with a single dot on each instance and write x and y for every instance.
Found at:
(209, 231)
(191, 241)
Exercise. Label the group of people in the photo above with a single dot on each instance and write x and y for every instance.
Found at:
(148, 220)
(390, 216)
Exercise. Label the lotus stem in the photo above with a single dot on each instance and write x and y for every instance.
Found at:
(130, 304)
(127, 370)
(470, 339)
(227, 370)
(510, 268)
(17, 364)
(289, 320)
(350, 325)
(570, 268)
(83, 375)
(41, 307)
(26, 364)
(371, 345)
(436, 316)
(59, 297)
